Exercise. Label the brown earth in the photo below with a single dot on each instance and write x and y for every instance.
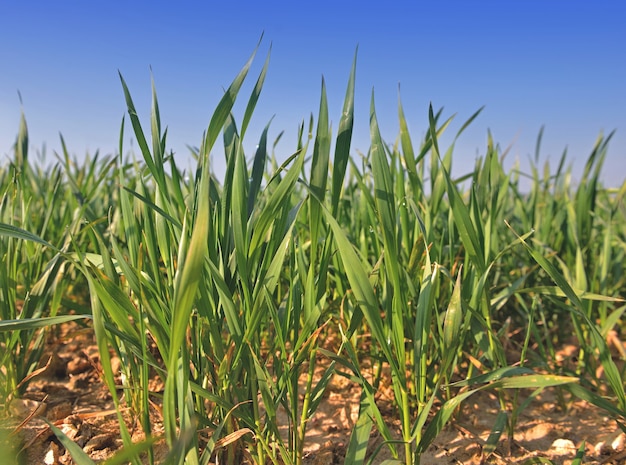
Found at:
(70, 394)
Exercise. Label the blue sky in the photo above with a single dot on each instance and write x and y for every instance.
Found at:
(531, 63)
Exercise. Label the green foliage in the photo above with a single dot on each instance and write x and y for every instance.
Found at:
(227, 290)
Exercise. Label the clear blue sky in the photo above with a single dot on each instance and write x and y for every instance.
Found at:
(531, 63)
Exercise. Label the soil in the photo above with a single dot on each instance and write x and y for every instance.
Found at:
(70, 394)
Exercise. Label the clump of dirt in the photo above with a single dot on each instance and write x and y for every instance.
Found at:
(70, 394)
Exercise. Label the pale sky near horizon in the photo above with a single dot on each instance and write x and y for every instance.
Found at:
(530, 63)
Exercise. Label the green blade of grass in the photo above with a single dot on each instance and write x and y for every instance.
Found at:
(467, 232)
(494, 436)
(319, 169)
(139, 134)
(9, 230)
(258, 168)
(453, 319)
(256, 92)
(360, 436)
(513, 382)
(344, 138)
(278, 197)
(362, 289)
(225, 106)
(33, 323)
(612, 373)
(384, 198)
(78, 454)
(186, 284)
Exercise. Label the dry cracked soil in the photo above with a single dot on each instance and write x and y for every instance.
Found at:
(70, 394)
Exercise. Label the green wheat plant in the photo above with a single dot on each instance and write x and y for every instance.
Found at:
(39, 217)
(243, 297)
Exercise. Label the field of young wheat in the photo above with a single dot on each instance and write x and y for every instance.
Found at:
(223, 310)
